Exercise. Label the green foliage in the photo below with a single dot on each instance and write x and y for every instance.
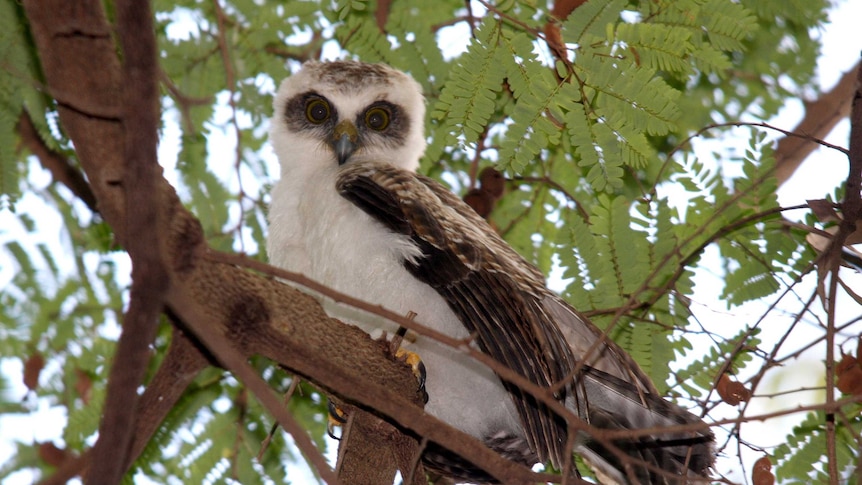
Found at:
(613, 264)
(740, 221)
(467, 101)
(19, 78)
(536, 93)
(590, 141)
(801, 458)
(728, 356)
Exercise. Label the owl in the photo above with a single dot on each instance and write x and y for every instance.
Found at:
(351, 212)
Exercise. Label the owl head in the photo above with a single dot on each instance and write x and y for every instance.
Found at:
(333, 113)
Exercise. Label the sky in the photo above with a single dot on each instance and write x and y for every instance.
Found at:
(823, 170)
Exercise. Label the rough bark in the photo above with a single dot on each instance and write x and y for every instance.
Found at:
(381, 444)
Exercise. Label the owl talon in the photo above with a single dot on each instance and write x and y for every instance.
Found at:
(415, 363)
(336, 419)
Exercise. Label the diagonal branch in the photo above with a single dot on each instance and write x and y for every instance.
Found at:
(821, 116)
(178, 369)
(234, 360)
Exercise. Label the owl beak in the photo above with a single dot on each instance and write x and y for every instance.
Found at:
(344, 141)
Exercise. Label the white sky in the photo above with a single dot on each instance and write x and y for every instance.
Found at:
(819, 174)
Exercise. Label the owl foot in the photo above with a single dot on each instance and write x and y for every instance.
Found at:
(337, 418)
(415, 362)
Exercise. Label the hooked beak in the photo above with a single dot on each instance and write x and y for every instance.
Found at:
(344, 140)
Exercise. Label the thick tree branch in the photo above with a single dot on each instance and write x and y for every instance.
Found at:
(191, 313)
(369, 446)
(821, 116)
(179, 368)
(76, 50)
(150, 280)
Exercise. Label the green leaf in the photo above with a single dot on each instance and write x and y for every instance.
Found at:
(467, 100)
(591, 20)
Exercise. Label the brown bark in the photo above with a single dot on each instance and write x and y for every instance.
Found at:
(227, 310)
(381, 444)
(139, 118)
(820, 118)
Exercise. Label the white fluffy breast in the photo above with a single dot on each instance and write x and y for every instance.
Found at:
(317, 232)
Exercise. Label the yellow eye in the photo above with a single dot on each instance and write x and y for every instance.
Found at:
(377, 118)
(317, 111)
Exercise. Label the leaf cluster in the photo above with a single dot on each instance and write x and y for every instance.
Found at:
(801, 457)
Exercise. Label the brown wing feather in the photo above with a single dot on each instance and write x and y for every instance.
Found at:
(496, 294)
(502, 300)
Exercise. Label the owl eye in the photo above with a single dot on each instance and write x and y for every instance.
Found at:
(377, 118)
(317, 111)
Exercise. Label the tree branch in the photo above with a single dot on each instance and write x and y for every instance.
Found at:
(851, 208)
(821, 116)
(179, 368)
(150, 279)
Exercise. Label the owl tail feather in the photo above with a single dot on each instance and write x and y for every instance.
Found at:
(661, 457)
